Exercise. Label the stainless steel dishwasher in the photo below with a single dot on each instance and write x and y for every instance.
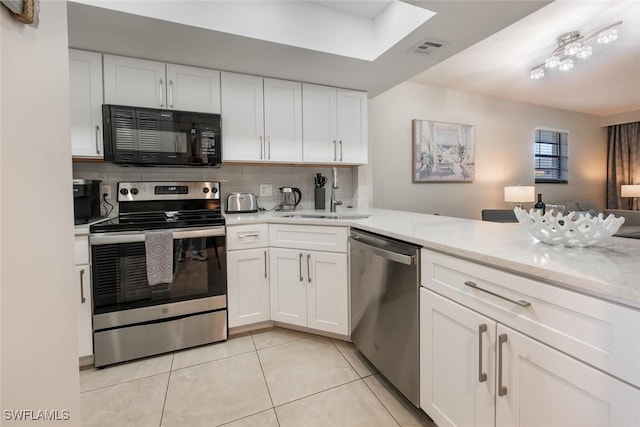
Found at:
(385, 283)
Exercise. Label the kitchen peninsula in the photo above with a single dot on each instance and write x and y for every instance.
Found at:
(504, 318)
(608, 270)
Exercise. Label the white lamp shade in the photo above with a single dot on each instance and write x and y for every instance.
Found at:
(520, 194)
(630, 190)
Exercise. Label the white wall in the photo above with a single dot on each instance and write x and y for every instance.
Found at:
(504, 151)
(39, 360)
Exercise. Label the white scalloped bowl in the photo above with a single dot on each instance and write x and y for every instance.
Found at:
(569, 230)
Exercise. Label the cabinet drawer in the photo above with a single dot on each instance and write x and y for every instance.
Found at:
(598, 332)
(308, 237)
(82, 250)
(247, 236)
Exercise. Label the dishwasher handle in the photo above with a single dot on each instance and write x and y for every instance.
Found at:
(384, 253)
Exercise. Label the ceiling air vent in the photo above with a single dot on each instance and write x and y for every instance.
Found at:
(427, 47)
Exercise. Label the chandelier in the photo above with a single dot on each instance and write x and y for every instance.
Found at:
(574, 44)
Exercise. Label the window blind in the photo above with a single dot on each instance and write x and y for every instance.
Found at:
(551, 157)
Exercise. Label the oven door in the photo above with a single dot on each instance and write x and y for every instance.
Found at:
(119, 268)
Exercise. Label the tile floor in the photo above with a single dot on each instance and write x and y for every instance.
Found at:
(273, 377)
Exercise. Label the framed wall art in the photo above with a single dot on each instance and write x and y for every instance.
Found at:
(443, 152)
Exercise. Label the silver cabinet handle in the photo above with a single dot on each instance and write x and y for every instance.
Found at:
(300, 265)
(161, 90)
(170, 93)
(250, 234)
(521, 303)
(335, 151)
(97, 139)
(261, 148)
(502, 389)
(482, 376)
(340, 142)
(308, 268)
(265, 264)
(269, 147)
(82, 298)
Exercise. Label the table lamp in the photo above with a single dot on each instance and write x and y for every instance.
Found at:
(519, 194)
(631, 191)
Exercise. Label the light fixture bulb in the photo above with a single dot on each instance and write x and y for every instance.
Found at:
(552, 61)
(584, 52)
(572, 48)
(608, 36)
(537, 73)
(566, 64)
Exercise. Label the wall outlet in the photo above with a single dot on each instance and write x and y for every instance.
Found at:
(266, 189)
(106, 192)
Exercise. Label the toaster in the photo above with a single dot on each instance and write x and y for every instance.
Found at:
(242, 203)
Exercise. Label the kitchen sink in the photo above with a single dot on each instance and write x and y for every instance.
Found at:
(328, 216)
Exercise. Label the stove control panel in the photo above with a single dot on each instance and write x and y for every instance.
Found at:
(153, 190)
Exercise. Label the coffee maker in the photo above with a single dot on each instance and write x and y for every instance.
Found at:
(86, 200)
(291, 197)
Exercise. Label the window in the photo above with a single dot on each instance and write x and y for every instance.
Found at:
(551, 157)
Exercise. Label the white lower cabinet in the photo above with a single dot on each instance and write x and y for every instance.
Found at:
(478, 371)
(83, 298)
(544, 387)
(457, 363)
(310, 289)
(310, 276)
(248, 286)
(248, 274)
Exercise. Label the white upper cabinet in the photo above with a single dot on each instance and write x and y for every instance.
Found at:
(334, 125)
(352, 126)
(193, 89)
(135, 82)
(151, 84)
(262, 119)
(242, 117)
(85, 88)
(283, 120)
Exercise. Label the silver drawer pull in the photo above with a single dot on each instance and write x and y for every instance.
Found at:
(254, 234)
(265, 264)
(482, 376)
(521, 303)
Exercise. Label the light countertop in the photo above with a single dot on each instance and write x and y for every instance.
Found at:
(609, 270)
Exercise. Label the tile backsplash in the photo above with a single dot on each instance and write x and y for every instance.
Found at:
(233, 178)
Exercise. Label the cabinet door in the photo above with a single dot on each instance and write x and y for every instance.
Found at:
(456, 363)
(547, 388)
(288, 281)
(85, 87)
(327, 292)
(242, 117)
(319, 124)
(351, 126)
(135, 82)
(248, 287)
(283, 120)
(193, 89)
(83, 305)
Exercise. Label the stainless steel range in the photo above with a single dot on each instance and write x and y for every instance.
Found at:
(133, 319)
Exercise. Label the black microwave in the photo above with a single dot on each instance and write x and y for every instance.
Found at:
(146, 136)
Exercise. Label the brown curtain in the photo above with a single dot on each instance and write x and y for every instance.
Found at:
(623, 162)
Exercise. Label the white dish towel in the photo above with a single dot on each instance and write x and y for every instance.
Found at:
(159, 251)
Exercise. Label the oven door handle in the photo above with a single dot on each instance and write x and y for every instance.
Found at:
(184, 233)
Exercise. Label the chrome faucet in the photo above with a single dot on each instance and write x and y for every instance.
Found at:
(334, 186)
